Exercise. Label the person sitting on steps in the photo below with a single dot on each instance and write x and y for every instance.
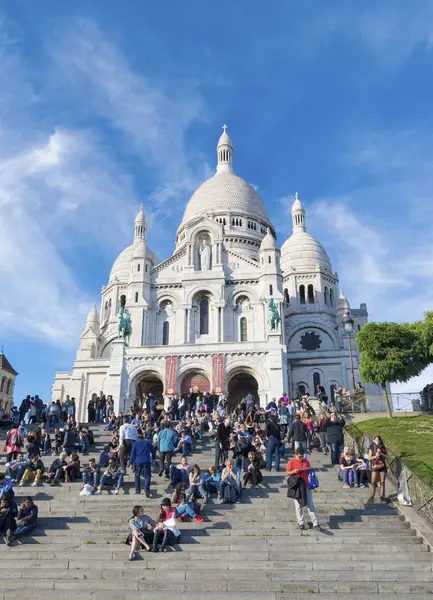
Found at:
(185, 508)
(230, 486)
(34, 471)
(113, 476)
(180, 472)
(196, 489)
(141, 535)
(166, 532)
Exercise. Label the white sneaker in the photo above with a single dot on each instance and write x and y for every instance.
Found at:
(98, 493)
(116, 492)
(34, 484)
(21, 485)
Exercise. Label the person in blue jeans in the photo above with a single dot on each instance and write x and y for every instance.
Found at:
(113, 476)
(27, 518)
(231, 476)
(184, 445)
(348, 465)
(185, 509)
(15, 468)
(273, 434)
(212, 481)
(91, 474)
(142, 454)
(335, 436)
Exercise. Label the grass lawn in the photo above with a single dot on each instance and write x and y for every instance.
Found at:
(411, 437)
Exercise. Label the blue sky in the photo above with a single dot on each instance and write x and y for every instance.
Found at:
(107, 105)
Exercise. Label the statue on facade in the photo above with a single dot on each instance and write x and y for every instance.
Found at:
(205, 255)
(124, 328)
(273, 315)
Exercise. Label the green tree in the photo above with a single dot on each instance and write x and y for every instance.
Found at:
(391, 352)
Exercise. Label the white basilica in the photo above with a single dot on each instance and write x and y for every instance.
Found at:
(200, 318)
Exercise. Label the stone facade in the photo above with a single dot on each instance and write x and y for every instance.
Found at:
(7, 385)
(201, 319)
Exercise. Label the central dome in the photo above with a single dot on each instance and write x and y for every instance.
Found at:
(225, 192)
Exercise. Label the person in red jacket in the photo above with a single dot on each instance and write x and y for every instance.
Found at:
(300, 467)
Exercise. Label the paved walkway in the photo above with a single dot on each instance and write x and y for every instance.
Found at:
(249, 551)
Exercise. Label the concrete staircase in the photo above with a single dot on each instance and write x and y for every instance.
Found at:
(249, 551)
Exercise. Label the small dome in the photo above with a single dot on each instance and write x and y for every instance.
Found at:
(342, 302)
(224, 193)
(224, 140)
(122, 265)
(268, 242)
(302, 250)
(140, 250)
(93, 316)
(141, 217)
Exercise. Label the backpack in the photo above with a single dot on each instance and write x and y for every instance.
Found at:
(313, 482)
(230, 495)
(16, 439)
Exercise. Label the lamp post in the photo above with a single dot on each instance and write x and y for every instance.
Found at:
(348, 323)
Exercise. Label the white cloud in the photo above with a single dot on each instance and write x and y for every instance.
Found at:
(154, 121)
(62, 187)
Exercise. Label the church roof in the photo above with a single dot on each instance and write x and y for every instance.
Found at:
(6, 365)
(122, 265)
(225, 193)
(301, 250)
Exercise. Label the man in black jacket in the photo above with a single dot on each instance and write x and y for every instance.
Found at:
(298, 433)
(273, 434)
(335, 436)
(27, 518)
(222, 441)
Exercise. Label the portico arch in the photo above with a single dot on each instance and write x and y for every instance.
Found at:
(197, 379)
(241, 382)
(148, 382)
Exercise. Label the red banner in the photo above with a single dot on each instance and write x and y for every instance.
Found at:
(170, 374)
(218, 373)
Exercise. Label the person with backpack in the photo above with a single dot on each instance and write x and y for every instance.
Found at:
(297, 471)
(348, 472)
(230, 486)
(14, 444)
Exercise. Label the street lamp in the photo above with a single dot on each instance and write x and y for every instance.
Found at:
(348, 323)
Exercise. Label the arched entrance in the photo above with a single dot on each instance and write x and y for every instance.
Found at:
(148, 382)
(240, 385)
(196, 380)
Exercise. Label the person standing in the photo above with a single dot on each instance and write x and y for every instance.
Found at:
(299, 467)
(222, 441)
(142, 454)
(335, 437)
(272, 432)
(298, 433)
(128, 434)
(166, 441)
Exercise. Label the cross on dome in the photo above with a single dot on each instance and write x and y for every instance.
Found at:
(224, 152)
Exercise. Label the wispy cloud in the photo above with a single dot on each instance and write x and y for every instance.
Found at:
(62, 187)
(152, 120)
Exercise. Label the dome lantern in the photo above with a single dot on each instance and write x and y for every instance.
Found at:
(224, 152)
(298, 215)
(140, 226)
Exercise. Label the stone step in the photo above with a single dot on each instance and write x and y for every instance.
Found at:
(119, 552)
(35, 594)
(204, 586)
(256, 560)
(178, 575)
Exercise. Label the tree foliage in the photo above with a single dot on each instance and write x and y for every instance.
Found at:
(391, 352)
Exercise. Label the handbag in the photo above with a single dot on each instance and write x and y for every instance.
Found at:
(313, 481)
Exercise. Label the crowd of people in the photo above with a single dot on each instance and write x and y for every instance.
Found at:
(157, 442)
